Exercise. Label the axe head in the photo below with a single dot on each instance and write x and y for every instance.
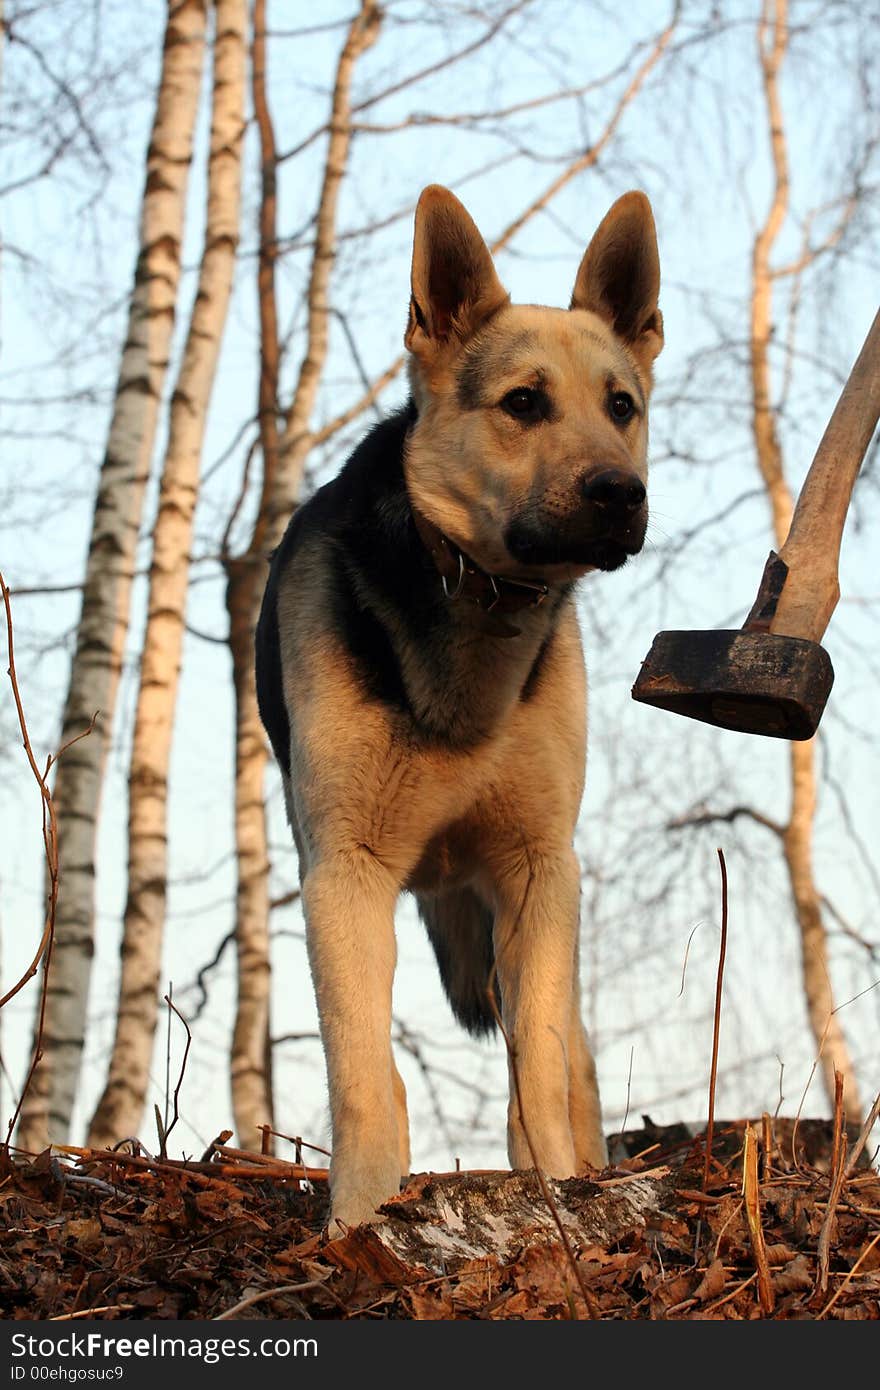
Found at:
(754, 682)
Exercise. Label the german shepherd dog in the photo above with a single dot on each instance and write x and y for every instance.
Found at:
(421, 679)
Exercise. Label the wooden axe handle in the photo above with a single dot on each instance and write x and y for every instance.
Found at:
(812, 549)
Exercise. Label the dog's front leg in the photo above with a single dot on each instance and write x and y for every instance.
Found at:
(349, 906)
(536, 930)
(584, 1108)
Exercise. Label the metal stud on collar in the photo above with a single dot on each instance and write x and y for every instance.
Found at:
(458, 588)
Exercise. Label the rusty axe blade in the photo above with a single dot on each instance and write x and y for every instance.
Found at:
(754, 682)
(772, 677)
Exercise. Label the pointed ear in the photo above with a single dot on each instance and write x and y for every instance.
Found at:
(454, 285)
(619, 277)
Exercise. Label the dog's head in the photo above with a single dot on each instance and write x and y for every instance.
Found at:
(529, 451)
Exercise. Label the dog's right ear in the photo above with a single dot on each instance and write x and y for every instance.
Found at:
(454, 285)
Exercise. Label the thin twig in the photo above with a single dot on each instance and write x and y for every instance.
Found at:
(629, 1078)
(299, 1142)
(781, 1095)
(734, 1213)
(687, 951)
(710, 1124)
(45, 794)
(838, 1175)
(176, 1117)
(855, 1151)
(160, 1129)
(50, 845)
(860, 1261)
(203, 1172)
(96, 1184)
(593, 153)
(270, 1160)
(93, 1312)
(838, 1129)
(493, 27)
(222, 1138)
(267, 1293)
(813, 1068)
(711, 1307)
(162, 1125)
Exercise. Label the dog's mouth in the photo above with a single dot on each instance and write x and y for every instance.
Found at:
(608, 555)
(538, 546)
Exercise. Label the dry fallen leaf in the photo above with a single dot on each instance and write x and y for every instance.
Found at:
(712, 1283)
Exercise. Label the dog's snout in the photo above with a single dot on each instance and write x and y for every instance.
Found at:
(614, 489)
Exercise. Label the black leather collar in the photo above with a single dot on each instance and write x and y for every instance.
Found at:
(462, 578)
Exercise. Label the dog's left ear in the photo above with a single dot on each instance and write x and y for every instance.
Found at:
(619, 277)
(455, 288)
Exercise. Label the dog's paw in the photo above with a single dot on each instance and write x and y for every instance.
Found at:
(593, 1156)
(355, 1198)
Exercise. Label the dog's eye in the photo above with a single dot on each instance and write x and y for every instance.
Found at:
(621, 406)
(525, 404)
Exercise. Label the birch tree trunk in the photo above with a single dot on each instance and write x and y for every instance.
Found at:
(103, 622)
(283, 463)
(797, 834)
(121, 1106)
(250, 1068)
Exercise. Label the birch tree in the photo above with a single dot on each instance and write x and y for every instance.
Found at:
(773, 346)
(796, 833)
(103, 623)
(121, 1106)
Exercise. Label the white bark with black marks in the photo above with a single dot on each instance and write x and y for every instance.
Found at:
(121, 1106)
(103, 622)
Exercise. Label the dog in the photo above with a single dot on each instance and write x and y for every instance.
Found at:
(421, 679)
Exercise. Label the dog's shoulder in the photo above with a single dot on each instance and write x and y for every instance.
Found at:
(354, 502)
(338, 545)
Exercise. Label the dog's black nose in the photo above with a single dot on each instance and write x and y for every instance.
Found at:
(615, 489)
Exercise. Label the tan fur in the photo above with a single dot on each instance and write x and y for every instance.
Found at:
(493, 803)
(470, 471)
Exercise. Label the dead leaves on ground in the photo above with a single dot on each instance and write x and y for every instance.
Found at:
(167, 1242)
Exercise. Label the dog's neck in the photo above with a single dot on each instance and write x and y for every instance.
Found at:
(462, 668)
(464, 581)
(474, 667)
(483, 650)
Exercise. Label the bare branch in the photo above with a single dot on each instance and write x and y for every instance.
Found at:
(50, 844)
(699, 818)
(430, 71)
(167, 1130)
(539, 204)
(591, 155)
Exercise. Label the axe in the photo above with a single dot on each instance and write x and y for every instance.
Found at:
(772, 676)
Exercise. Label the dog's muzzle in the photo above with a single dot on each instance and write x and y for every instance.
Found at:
(602, 530)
